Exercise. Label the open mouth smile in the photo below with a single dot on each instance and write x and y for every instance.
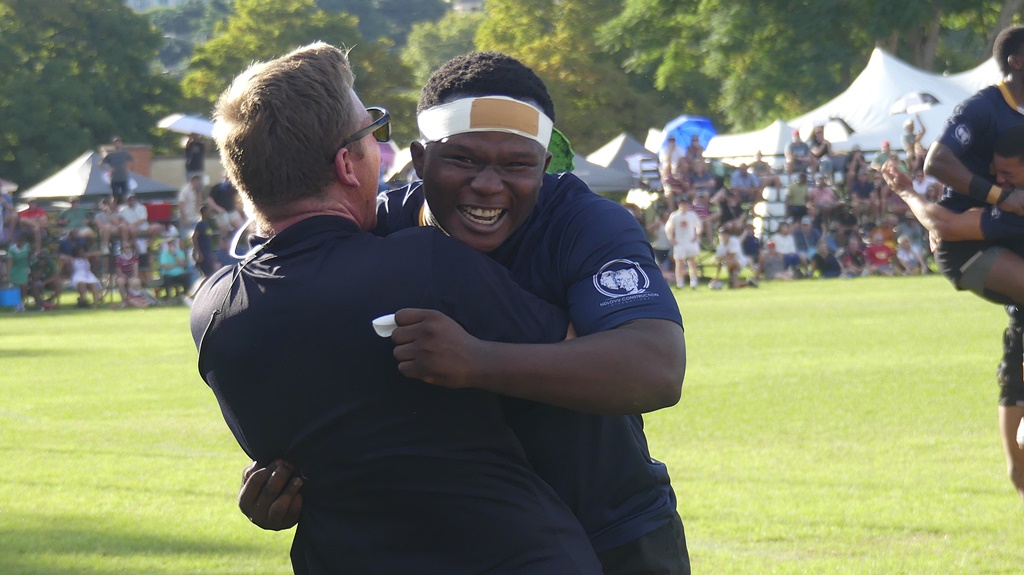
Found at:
(482, 216)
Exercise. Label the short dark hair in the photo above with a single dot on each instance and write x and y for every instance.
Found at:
(1009, 42)
(1010, 144)
(485, 74)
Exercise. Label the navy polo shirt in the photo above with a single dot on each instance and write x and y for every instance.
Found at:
(971, 133)
(588, 255)
(400, 476)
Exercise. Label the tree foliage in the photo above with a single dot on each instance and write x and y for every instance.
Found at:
(75, 72)
(431, 44)
(260, 30)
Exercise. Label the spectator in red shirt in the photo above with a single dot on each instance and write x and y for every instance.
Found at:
(878, 256)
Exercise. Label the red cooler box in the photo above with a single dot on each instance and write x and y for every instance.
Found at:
(160, 211)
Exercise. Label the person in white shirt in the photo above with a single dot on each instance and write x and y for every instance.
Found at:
(683, 229)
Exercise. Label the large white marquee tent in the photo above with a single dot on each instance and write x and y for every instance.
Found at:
(865, 108)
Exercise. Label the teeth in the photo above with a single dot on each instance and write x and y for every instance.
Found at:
(482, 215)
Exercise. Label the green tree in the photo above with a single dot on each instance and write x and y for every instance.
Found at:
(391, 19)
(75, 72)
(264, 29)
(185, 26)
(431, 44)
(558, 40)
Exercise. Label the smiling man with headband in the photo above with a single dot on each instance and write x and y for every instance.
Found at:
(486, 119)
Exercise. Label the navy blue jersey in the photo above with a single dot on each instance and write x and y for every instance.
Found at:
(400, 476)
(588, 255)
(971, 133)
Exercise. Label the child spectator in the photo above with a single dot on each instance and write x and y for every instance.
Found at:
(852, 258)
(83, 280)
(683, 230)
(18, 260)
(878, 256)
(772, 265)
(909, 257)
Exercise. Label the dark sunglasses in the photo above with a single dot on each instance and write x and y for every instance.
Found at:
(380, 126)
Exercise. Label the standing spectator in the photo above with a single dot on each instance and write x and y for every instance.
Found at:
(83, 280)
(8, 218)
(824, 262)
(798, 155)
(34, 220)
(195, 157)
(852, 258)
(126, 269)
(821, 151)
(204, 238)
(911, 139)
(223, 204)
(708, 220)
(746, 184)
(683, 230)
(796, 197)
(18, 260)
(878, 256)
(173, 269)
(909, 257)
(660, 242)
(190, 197)
(119, 165)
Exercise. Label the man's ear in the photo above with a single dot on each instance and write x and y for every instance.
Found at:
(1016, 62)
(418, 152)
(344, 169)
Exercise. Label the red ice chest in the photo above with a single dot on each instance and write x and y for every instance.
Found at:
(160, 212)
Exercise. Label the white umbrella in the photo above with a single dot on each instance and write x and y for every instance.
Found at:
(183, 124)
(913, 102)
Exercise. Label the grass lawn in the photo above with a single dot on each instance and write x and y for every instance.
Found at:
(840, 426)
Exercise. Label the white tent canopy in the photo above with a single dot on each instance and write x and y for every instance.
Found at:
(600, 179)
(619, 152)
(84, 177)
(864, 106)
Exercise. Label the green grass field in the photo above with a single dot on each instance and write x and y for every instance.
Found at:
(841, 426)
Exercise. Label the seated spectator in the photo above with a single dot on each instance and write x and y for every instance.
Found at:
(34, 220)
(878, 257)
(852, 258)
(79, 219)
(806, 237)
(909, 258)
(926, 186)
(785, 243)
(844, 225)
(855, 164)
(701, 179)
(750, 244)
(864, 197)
(798, 156)
(173, 269)
(745, 184)
(135, 221)
(108, 224)
(821, 151)
(730, 212)
(821, 201)
(772, 265)
(695, 152)
(83, 280)
(910, 227)
(766, 176)
(824, 263)
(67, 246)
(797, 194)
(730, 256)
(881, 157)
(44, 275)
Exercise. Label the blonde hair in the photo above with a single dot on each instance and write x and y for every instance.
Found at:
(280, 122)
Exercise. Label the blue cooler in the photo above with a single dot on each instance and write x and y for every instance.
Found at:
(10, 297)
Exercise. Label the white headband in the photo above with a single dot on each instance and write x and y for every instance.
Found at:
(486, 114)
